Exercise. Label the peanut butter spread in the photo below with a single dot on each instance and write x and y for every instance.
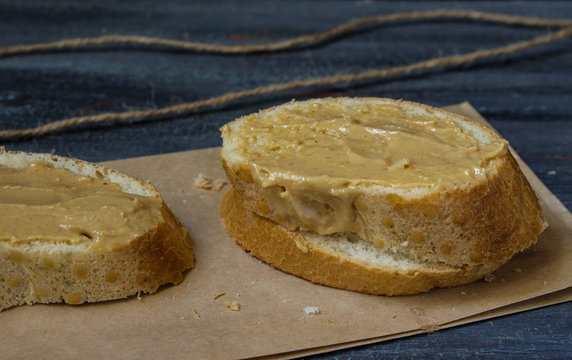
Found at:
(310, 158)
(42, 203)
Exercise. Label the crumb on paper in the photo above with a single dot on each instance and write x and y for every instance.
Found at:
(430, 329)
(218, 296)
(545, 282)
(330, 321)
(517, 269)
(206, 183)
(234, 306)
(218, 184)
(463, 292)
(202, 182)
(312, 310)
(489, 277)
(196, 314)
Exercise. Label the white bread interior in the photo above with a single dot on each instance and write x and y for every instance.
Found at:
(48, 272)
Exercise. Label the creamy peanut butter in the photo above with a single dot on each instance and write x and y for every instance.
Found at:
(310, 159)
(43, 203)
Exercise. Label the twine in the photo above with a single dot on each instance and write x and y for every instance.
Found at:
(307, 40)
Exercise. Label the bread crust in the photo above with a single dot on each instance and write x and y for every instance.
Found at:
(43, 272)
(482, 223)
(293, 252)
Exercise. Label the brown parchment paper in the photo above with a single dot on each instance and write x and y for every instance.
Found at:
(192, 321)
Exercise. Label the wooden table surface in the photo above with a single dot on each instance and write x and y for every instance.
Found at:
(527, 97)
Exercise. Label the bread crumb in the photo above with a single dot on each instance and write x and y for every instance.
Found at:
(234, 306)
(430, 329)
(218, 184)
(219, 295)
(517, 269)
(202, 182)
(489, 277)
(205, 183)
(312, 310)
(196, 314)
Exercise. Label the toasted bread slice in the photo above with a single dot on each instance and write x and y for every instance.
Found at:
(48, 269)
(412, 180)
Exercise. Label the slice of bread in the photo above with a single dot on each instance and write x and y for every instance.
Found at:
(459, 221)
(338, 260)
(44, 270)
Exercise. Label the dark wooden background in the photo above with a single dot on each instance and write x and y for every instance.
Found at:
(526, 96)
